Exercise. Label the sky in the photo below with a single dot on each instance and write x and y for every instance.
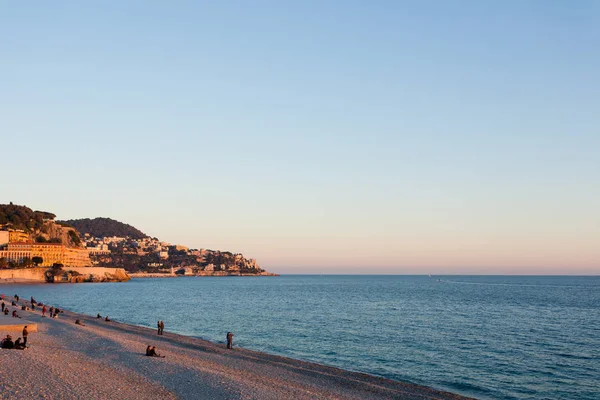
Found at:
(387, 137)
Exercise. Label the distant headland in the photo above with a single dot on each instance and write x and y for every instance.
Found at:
(60, 249)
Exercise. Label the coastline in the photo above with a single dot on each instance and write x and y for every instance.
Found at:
(137, 275)
(107, 359)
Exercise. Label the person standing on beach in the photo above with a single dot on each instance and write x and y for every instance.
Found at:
(25, 333)
(16, 297)
(162, 327)
(44, 311)
(229, 340)
(158, 326)
(3, 305)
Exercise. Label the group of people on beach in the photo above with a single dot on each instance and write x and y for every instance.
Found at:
(105, 319)
(7, 342)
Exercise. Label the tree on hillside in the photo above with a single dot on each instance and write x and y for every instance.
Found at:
(104, 227)
(21, 217)
(74, 237)
(3, 263)
(57, 269)
(26, 262)
(37, 260)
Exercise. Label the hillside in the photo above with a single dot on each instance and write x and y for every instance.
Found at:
(38, 226)
(105, 227)
(22, 217)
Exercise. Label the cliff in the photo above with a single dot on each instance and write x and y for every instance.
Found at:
(52, 231)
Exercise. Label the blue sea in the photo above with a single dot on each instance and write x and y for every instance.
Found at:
(489, 337)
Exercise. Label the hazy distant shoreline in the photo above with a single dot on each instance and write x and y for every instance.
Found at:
(138, 275)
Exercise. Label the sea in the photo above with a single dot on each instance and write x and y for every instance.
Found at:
(488, 337)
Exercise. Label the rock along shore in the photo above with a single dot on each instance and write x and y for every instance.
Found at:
(105, 360)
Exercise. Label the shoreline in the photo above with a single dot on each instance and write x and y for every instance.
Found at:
(193, 367)
(138, 275)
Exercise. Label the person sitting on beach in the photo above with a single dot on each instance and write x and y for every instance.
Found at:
(15, 315)
(78, 322)
(107, 319)
(14, 303)
(7, 343)
(148, 350)
(56, 311)
(19, 345)
(98, 316)
(6, 311)
(153, 353)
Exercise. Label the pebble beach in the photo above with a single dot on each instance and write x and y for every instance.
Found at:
(106, 360)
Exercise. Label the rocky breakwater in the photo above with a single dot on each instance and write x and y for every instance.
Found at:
(94, 274)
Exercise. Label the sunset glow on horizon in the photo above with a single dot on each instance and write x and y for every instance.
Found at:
(384, 138)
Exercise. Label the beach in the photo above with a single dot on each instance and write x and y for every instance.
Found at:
(106, 360)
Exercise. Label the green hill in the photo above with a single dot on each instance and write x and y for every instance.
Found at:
(22, 217)
(105, 227)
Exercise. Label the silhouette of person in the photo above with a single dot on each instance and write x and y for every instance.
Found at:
(25, 334)
(229, 340)
(153, 352)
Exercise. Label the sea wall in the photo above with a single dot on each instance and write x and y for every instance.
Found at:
(70, 274)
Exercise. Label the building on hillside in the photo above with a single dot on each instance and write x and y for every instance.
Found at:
(18, 236)
(50, 253)
(4, 238)
(74, 257)
(100, 249)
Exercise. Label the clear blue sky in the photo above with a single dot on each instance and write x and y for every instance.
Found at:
(315, 136)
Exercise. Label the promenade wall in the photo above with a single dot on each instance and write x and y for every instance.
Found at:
(37, 274)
